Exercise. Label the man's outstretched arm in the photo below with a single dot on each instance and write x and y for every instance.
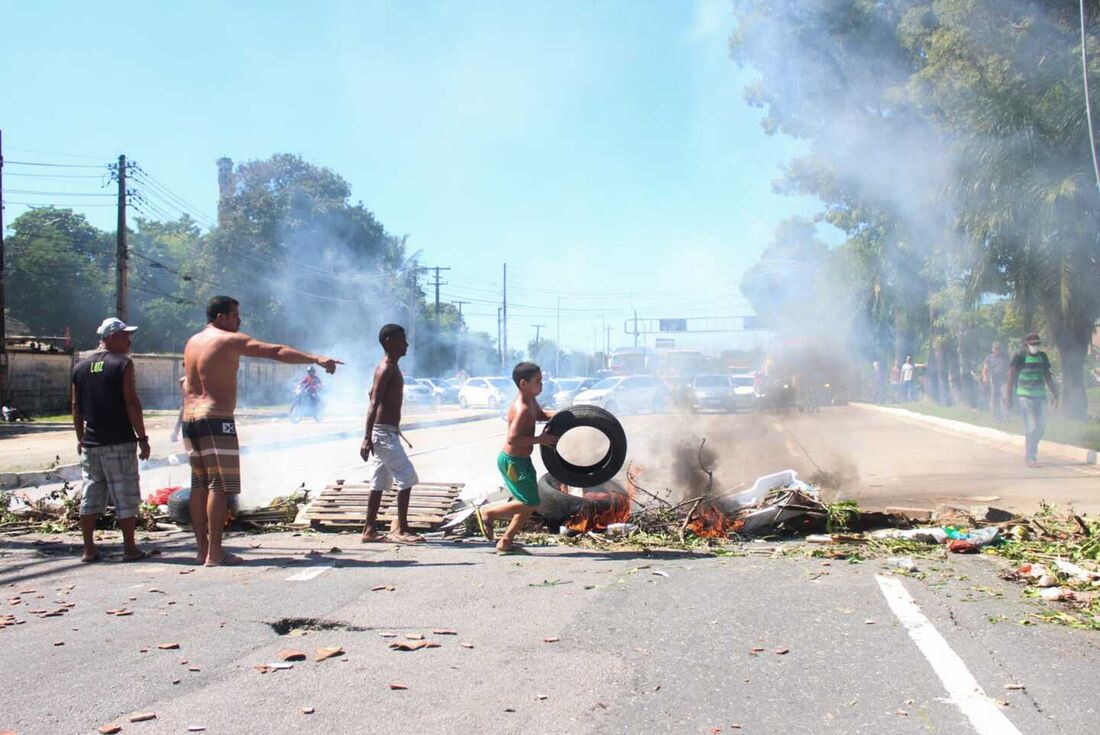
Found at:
(251, 347)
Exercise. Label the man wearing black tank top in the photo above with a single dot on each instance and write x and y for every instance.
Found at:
(110, 434)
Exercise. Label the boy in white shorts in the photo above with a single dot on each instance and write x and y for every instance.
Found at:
(382, 438)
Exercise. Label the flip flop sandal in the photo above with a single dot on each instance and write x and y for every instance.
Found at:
(481, 523)
(91, 560)
(142, 555)
(514, 551)
(229, 560)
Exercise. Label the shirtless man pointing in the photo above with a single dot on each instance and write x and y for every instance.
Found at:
(210, 360)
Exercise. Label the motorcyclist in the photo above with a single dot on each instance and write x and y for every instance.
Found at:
(310, 385)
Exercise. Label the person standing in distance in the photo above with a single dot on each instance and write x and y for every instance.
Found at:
(1029, 378)
(110, 436)
(211, 359)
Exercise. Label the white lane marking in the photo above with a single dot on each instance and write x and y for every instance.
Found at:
(964, 689)
(307, 574)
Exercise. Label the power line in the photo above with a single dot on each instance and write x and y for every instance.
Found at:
(52, 165)
(60, 205)
(60, 193)
(170, 195)
(56, 176)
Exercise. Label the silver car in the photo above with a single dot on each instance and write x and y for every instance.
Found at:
(626, 394)
(712, 393)
(568, 389)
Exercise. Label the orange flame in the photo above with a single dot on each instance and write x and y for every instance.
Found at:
(601, 509)
(710, 522)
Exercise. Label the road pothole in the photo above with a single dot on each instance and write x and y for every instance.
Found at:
(285, 626)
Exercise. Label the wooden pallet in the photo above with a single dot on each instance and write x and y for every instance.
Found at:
(344, 505)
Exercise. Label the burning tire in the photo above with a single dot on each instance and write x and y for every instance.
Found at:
(594, 474)
(559, 508)
(179, 507)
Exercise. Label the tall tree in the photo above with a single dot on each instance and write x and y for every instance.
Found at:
(60, 274)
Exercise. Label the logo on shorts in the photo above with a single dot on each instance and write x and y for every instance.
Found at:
(228, 428)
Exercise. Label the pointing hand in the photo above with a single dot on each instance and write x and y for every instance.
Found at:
(329, 364)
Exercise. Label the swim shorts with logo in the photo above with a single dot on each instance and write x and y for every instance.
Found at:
(519, 477)
(214, 453)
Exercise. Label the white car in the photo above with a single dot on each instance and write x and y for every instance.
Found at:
(417, 393)
(491, 392)
(626, 394)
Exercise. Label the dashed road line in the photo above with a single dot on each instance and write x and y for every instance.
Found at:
(964, 689)
(307, 574)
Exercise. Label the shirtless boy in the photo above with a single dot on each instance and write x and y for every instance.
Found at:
(211, 359)
(382, 438)
(514, 461)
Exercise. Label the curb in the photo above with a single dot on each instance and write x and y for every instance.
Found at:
(71, 472)
(994, 437)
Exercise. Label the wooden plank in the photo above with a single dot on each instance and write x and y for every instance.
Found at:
(387, 501)
(362, 508)
(324, 502)
(367, 493)
(418, 486)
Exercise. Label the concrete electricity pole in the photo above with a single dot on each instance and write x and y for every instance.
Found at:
(437, 283)
(500, 345)
(121, 264)
(458, 335)
(538, 328)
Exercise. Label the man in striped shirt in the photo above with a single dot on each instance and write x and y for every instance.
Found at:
(1029, 378)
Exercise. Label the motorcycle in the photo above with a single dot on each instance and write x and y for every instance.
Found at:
(306, 402)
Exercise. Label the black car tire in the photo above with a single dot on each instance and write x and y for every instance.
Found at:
(179, 507)
(591, 475)
(557, 507)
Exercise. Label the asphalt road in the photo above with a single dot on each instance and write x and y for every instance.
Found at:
(645, 643)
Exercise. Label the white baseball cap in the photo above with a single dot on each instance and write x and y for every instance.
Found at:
(113, 325)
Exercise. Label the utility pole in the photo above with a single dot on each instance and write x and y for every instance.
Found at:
(607, 343)
(504, 320)
(537, 327)
(635, 327)
(500, 345)
(458, 335)
(438, 331)
(121, 265)
(3, 316)
(437, 284)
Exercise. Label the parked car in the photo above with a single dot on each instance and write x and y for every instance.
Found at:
(491, 392)
(417, 393)
(441, 390)
(568, 388)
(712, 393)
(626, 394)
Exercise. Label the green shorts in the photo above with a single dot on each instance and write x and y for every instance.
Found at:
(519, 477)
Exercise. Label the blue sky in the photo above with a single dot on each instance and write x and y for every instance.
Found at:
(601, 149)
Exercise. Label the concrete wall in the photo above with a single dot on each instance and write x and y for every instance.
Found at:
(39, 381)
